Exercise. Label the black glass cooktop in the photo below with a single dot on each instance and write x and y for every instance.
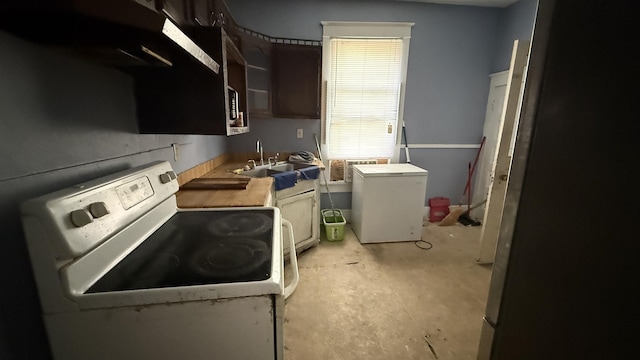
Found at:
(196, 248)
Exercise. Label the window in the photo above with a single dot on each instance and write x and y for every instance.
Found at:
(362, 97)
(364, 70)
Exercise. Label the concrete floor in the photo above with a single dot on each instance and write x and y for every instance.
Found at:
(389, 301)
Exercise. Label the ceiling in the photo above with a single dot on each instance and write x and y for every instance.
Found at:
(487, 3)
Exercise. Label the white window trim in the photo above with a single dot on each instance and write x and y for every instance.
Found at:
(345, 29)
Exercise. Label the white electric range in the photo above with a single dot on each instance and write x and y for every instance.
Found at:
(123, 273)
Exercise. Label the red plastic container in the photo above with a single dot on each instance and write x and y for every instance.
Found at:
(438, 208)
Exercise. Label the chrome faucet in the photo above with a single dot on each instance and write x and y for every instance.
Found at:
(259, 149)
(275, 159)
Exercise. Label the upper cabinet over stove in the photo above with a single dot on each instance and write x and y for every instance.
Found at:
(186, 57)
(213, 107)
(181, 100)
(189, 76)
(124, 34)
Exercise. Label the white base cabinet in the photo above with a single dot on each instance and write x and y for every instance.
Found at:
(300, 205)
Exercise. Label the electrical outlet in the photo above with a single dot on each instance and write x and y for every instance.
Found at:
(299, 133)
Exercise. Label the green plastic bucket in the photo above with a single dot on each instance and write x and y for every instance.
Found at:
(334, 222)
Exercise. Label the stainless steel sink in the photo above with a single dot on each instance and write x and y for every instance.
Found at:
(259, 173)
(289, 166)
(268, 170)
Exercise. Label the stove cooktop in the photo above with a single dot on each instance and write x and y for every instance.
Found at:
(197, 248)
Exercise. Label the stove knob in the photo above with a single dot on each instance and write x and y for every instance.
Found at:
(98, 209)
(165, 178)
(81, 217)
(172, 175)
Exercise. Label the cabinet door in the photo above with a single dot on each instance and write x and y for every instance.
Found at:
(296, 80)
(186, 99)
(177, 10)
(235, 69)
(257, 52)
(221, 16)
(201, 12)
(300, 210)
(188, 12)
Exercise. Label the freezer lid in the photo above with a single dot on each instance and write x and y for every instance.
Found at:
(372, 170)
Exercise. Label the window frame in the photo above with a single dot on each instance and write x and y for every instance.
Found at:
(355, 29)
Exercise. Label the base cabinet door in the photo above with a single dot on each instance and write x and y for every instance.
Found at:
(301, 211)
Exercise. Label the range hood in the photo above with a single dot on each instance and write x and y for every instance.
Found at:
(121, 33)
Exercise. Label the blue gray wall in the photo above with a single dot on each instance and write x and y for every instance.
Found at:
(277, 135)
(62, 122)
(453, 51)
(517, 23)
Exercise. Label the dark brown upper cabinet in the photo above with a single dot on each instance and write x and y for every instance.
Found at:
(257, 51)
(194, 12)
(202, 12)
(188, 100)
(283, 75)
(296, 80)
(221, 17)
(176, 10)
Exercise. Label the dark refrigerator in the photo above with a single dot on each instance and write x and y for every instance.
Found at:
(565, 282)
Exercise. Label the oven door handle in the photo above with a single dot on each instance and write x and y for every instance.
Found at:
(293, 259)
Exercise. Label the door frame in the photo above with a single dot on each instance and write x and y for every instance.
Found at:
(484, 167)
(502, 162)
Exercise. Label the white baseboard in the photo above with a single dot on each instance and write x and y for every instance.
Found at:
(347, 215)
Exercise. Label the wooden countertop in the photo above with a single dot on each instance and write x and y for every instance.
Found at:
(257, 192)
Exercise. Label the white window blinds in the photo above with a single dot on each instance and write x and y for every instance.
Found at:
(363, 93)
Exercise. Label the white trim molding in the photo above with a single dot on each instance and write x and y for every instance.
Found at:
(362, 29)
(337, 187)
(443, 146)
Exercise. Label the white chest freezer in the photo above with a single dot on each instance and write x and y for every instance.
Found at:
(387, 202)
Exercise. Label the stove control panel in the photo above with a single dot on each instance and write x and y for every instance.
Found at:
(80, 217)
(136, 191)
(98, 209)
(167, 177)
(83, 217)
